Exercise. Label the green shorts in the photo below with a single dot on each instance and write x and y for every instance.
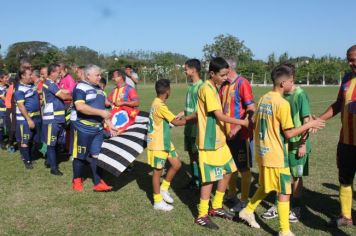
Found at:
(190, 145)
(299, 166)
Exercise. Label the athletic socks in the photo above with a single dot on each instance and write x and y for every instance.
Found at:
(346, 200)
(51, 157)
(165, 185)
(218, 200)
(203, 207)
(283, 214)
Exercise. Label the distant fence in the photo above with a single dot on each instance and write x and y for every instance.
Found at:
(179, 77)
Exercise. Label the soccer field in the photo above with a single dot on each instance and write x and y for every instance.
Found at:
(33, 202)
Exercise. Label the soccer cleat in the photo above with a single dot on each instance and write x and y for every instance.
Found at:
(222, 213)
(77, 184)
(289, 233)
(162, 206)
(271, 213)
(294, 215)
(56, 172)
(205, 221)
(102, 187)
(249, 218)
(28, 165)
(238, 207)
(166, 197)
(340, 222)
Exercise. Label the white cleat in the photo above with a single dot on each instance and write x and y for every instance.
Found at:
(249, 218)
(162, 206)
(166, 197)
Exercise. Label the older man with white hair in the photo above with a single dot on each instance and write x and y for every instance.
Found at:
(237, 102)
(87, 135)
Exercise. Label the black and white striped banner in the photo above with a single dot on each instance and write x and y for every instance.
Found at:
(117, 153)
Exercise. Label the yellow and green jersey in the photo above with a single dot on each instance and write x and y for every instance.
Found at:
(299, 104)
(191, 100)
(272, 117)
(158, 136)
(211, 134)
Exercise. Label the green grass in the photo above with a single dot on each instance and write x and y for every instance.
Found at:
(37, 203)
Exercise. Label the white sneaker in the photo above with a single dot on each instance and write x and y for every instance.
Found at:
(166, 197)
(294, 215)
(249, 218)
(270, 213)
(162, 206)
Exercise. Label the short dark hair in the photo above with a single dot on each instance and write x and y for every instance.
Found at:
(351, 49)
(103, 81)
(23, 71)
(128, 66)
(162, 86)
(217, 64)
(193, 63)
(119, 73)
(52, 67)
(2, 74)
(285, 69)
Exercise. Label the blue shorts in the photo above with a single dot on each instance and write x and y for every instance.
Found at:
(53, 134)
(241, 150)
(85, 140)
(2, 121)
(25, 135)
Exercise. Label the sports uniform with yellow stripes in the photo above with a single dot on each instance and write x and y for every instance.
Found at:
(28, 96)
(273, 116)
(53, 125)
(346, 149)
(215, 159)
(3, 90)
(159, 145)
(87, 130)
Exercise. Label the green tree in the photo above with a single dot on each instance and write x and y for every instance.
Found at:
(39, 53)
(81, 55)
(227, 47)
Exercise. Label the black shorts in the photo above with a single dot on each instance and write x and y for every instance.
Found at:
(346, 163)
(241, 150)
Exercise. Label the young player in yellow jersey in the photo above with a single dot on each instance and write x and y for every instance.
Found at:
(159, 145)
(273, 128)
(215, 160)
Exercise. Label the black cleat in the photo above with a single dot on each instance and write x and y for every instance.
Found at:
(56, 172)
(206, 222)
(28, 165)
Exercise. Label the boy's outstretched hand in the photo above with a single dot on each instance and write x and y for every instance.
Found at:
(316, 123)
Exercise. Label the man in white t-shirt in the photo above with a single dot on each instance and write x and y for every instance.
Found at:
(131, 77)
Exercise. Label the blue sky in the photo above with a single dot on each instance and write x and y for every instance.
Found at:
(300, 27)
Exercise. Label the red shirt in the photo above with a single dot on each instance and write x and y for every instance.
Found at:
(125, 93)
(235, 96)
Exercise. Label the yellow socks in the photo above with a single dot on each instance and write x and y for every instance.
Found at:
(283, 214)
(165, 185)
(203, 208)
(217, 200)
(245, 185)
(346, 200)
(157, 198)
(256, 200)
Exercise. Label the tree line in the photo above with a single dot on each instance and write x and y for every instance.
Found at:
(155, 65)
